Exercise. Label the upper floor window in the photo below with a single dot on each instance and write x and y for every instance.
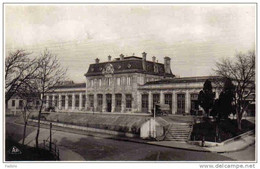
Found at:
(156, 69)
(128, 81)
(92, 83)
(99, 82)
(13, 103)
(109, 81)
(118, 81)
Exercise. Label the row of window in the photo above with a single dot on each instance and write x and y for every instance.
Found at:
(168, 100)
(63, 100)
(20, 103)
(107, 81)
(108, 97)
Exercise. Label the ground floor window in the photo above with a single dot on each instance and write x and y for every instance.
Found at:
(168, 100)
(50, 101)
(56, 101)
(83, 100)
(180, 103)
(91, 100)
(63, 98)
(99, 102)
(20, 103)
(128, 98)
(109, 102)
(144, 102)
(118, 102)
(13, 103)
(69, 101)
(77, 101)
(156, 98)
(194, 104)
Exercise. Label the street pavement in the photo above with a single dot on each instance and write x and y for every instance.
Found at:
(78, 147)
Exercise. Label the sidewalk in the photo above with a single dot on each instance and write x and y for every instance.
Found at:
(235, 145)
(65, 153)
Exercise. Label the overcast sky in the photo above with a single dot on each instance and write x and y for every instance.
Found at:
(194, 36)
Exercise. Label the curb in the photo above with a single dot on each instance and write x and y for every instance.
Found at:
(235, 150)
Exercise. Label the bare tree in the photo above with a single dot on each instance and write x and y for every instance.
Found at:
(19, 69)
(28, 95)
(49, 74)
(241, 70)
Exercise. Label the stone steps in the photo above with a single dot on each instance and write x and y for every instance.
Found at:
(178, 132)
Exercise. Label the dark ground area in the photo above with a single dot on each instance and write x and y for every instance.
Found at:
(25, 153)
(227, 129)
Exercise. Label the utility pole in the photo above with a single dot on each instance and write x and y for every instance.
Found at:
(50, 135)
(154, 111)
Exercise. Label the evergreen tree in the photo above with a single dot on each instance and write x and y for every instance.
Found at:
(206, 97)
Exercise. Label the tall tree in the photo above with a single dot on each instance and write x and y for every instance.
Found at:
(206, 97)
(19, 70)
(49, 74)
(28, 95)
(241, 70)
(226, 98)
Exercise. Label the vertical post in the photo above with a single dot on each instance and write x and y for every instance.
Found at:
(154, 111)
(150, 102)
(161, 97)
(113, 102)
(47, 101)
(123, 103)
(55, 148)
(80, 101)
(59, 102)
(95, 103)
(50, 135)
(187, 102)
(104, 106)
(66, 102)
(73, 101)
(53, 101)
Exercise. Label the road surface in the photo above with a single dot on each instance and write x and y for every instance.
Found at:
(77, 147)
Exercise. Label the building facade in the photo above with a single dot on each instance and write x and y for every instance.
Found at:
(112, 86)
(67, 97)
(181, 94)
(130, 85)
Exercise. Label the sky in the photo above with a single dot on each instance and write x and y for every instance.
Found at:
(195, 37)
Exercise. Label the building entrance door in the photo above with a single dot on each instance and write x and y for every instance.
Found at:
(180, 103)
(194, 104)
(109, 102)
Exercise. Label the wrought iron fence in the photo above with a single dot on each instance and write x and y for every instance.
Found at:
(52, 148)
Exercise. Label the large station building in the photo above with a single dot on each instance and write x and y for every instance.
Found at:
(129, 84)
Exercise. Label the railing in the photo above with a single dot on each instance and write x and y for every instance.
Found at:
(52, 148)
(191, 129)
(167, 129)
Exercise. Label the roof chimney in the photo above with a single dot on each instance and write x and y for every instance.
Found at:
(154, 58)
(97, 60)
(109, 58)
(144, 60)
(121, 57)
(167, 65)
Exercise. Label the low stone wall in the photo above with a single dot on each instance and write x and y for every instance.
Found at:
(88, 129)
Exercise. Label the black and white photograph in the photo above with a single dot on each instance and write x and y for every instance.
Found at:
(130, 82)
